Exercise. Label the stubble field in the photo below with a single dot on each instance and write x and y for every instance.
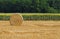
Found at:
(30, 30)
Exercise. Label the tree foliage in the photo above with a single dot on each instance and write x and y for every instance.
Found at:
(25, 6)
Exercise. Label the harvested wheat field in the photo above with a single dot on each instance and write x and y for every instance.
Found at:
(30, 30)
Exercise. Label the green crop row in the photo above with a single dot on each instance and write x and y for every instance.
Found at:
(34, 17)
(41, 17)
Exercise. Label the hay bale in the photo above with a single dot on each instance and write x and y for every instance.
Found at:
(16, 20)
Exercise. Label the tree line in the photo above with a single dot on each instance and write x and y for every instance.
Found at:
(30, 6)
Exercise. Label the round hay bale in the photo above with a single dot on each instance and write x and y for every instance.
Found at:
(16, 19)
